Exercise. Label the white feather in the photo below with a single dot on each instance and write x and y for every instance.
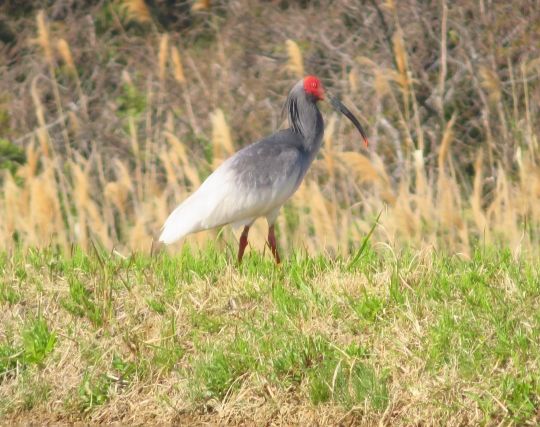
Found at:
(220, 200)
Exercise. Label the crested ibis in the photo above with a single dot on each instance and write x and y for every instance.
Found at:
(257, 180)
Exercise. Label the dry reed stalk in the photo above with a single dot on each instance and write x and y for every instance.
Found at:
(423, 193)
(200, 5)
(400, 56)
(445, 144)
(448, 202)
(296, 62)
(476, 199)
(94, 224)
(59, 232)
(136, 149)
(221, 138)
(460, 243)
(136, 10)
(186, 167)
(389, 5)
(530, 188)
(442, 74)
(406, 223)
(404, 79)
(43, 139)
(328, 154)
(187, 95)
(328, 145)
(284, 237)
(81, 199)
(113, 204)
(353, 80)
(45, 225)
(36, 98)
(381, 76)
(381, 82)
(515, 103)
(178, 68)
(10, 208)
(152, 187)
(495, 208)
(358, 164)
(139, 239)
(124, 190)
(123, 175)
(116, 193)
(43, 40)
(491, 83)
(300, 203)
(321, 219)
(418, 125)
(532, 139)
(29, 170)
(345, 232)
(41, 132)
(162, 210)
(382, 88)
(501, 212)
(530, 195)
(47, 204)
(153, 142)
(74, 123)
(387, 193)
(167, 159)
(65, 53)
(162, 57)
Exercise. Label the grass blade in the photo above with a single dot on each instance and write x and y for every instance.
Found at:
(363, 246)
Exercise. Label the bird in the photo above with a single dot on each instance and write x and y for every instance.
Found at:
(258, 179)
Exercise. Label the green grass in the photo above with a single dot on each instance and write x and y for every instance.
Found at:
(410, 335)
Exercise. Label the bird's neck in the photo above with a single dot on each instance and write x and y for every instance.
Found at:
(307, 121)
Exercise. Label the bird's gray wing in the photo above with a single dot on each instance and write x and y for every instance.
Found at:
(255, 181)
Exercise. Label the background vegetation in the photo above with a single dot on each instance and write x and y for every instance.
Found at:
(113, 111)
(123, 108)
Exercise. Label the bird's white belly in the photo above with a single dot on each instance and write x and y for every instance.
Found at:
(241, 205)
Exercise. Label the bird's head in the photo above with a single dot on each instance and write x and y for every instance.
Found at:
(315, 92)
(307, 92)
(314, 88)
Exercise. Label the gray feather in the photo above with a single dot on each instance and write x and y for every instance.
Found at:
(287, 152)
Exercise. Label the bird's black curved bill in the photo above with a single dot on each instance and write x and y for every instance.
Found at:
(336, 103)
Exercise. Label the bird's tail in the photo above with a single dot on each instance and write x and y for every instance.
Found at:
(185, 219)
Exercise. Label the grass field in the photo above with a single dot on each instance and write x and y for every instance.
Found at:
(397, 337)
(114, 111)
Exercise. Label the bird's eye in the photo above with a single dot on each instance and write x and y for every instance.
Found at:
(314, 85)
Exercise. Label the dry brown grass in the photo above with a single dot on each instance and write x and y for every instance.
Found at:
(80, 186)
(427, 381)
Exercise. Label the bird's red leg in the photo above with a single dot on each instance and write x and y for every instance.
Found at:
(272, 243)
(243, 243)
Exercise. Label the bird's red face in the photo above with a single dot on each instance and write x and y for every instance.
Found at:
(314, 87)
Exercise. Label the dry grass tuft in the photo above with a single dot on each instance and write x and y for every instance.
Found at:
(43, 39)
(178, 68)
(63, 48)
(163, 55)
(221, 138)
(200, 5)
(136, 10)
(296, 62)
